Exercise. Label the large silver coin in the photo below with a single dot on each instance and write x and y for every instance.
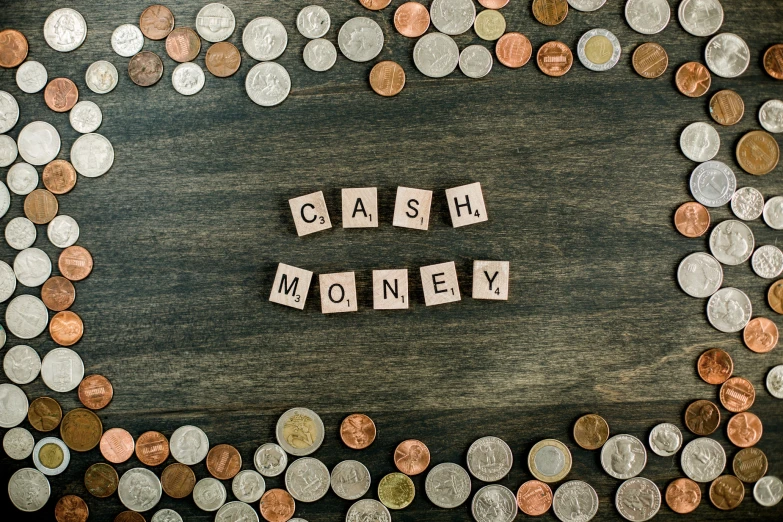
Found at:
(452, 17)
(475, 61)
(775, 382)
(647, 16)
(713, 183)
(31, 76)
(8, 150)
(166, 515)
(22, 178)
(768, 491)
(494, 503)
(771, 116)
(18, 443)
(189, 445)
(307, 479)
(586, 5)
(65, 30)
(700, 275)
(731, 242)
(7, 283)
(727, 55)
(248, 486)
(623, 456)
(268, 84)
(62, 370)
(366, 510)
(601, 35)
(703, 459)
(319, 55)
(21, 364)
(139, 489)
(215, 22)
(264, 38)
(188, 78)
(92, 155)
(236, 512)
(13, 405)
(26, 316)
(700, 17)
(32, 267)
(209, 494)
(699, 142)
(127, 40)
(350, 479)
(638, 499)
(767, 261)
(436, 55)
(360, 39)
(85, 117)
(313, 21)
(300, 431)
(729, 310)
(447, 485)
(48, 444)
(101, 77)
(747, 203)
(575, 501)
(19, 234)
(665, 439)
(489, 459)
(39, 143)
(28, 490)
(9, 112)
(63, 231)
(270, 460)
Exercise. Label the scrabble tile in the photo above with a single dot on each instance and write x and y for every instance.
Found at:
(390, 289)
(412, 208)
(466, 205)
(310, 214)
(291, 286)
(338, 292)
(360, 207)
(440, 283)
(490, 280)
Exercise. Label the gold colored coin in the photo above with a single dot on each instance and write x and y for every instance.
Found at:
(591, 431)
(775, 296)
(81, 429)
(490, 25)
(396, 491)
(542, 456)
(51, 455)
(598, 49)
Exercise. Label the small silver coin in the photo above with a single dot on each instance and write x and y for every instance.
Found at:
(300, 431)
(15, 405)
(248, 486)
(494, 503)
(26, 316)
(127, 40)
(101, 77)
(236, 511)
(350, 479)
(92, 155)
(8, 150)
(63, 231)
(307, 479)
(647, 16)
(775, 382)
(489, 459)
(638, 499)
(729, 310)
(264, 38)
(699, 142)
(713, 183)
(166, 515)
(65, 30)
(45, 445)
(771, 116)
(28, 490)
(62, 370)
(586, 5)
(139, 489)
(475, 61)
(31, 77)
(452, 17)
(773, 212)
(209, 494)
(747, 203)
(20, 234)
(368, 509)
(767, 261)
(268, 84)
(9, 112)
(768, 491)
(18, 443)
(32, 267)
(39, 143)
(575, 501)
(319, 55)
(21, 364)
(700, 275)
(215, 22)
(189, 445)
(447, 485)
(85, 117)
(665, 439)
(727, 55)
(188, 78)
(270, 460)
(360, 39)
(436, 55)
(731, 242)
(700, 17)
(7, 283)
(603, 36)
(22, 178)
(313, 21)
(623, 456)
(703, 459)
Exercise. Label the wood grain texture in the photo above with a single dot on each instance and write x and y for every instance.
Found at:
(580, 175)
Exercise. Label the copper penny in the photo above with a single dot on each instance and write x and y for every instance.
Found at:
(145, 69)
(692, 219)
(683, 495)
(727, 107)
(156, 22)
(773, 61)
(61, 95)
(224, 461)
(40, 206)
(758, 153)
(357, 431)
(375, 5)
(737, 394)
(693, 79)
(775, 296)
(71, 508)
(591, 431)
(101, 480)
(760, 335)
(58, 294)
(81, 429)
(727, 492)
(534, 498)
(152, 448)
(715, 366)
(554, 58)
(130, 516)
(550, 12)
(44, 414)
(183, 44)
(117, 445)
(493, 4)
(59, 177)
(95, 392)
(387, 78)
(66, 328)
(223, 59)
(744, 429)
(513, 50)
(75, 263)
(13, 48)
(178, 480)
(702, 417)
(650, 60)
(411, 457)
(750, 464)
(411, 19)
(277, 505)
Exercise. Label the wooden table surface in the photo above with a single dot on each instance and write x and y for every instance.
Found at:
(581, 177)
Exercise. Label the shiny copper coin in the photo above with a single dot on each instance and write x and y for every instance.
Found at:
(727, 492)
(493, 4)
(357, 431)
(773, 61)
(117, 445)
(375, 5)
(61, 95)
(59, 177)
(758, 153)
(152, 448)
(591, 431)
(40, 206)
(183, 44)
(387, 78)
(513, 50)
(760, 335)
(13, 48)
(224, 461)
(101, 480)
(775, 296)
(277, 505)
(81, 429)
(702, 417)
(550, 12)
(411, 457)
(156, 22)
(178, 480)
(683, 495)
(554, 58)
(223, 59)
(715, 366)
(750, 464)
(130, 516)
(95, 392)
(411, 19)
(744, 429)
(75, 263)
(66, 328)
(650, 60)
(145, 69)
(693, 79)
(727, 107)
(534, 498)
(692, 219)
(71, 508)
(44, 414)
(58, 294)
(737, 394)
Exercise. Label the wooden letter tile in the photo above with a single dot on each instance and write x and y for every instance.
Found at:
(310, 214)
(466, 205)
(440, 283)
(412, 208)
(291, 286)
(360, 207)
(338, 292)
(490, 280)
(390, 289)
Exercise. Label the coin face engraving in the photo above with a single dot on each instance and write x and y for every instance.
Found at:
(575, 501)
(703, 459)
(494, 503)
(490, 459)
(623, 456)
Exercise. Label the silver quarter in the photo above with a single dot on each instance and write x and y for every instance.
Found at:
(21, 364)
(360, 39)
(26, 316)
(699, 142)
(773, 212)
(236, 512)
(767, 261)
(28, 490)
(63, 231)
(270, 460)
(613, 58)
(700, 275)
(307, 479)
(727, 55)
(494, 503)
(101, 77)
(703, 459)
(39, 143)
(700, 17)
(350, 479)
(586, 5)
(32, 267)
(575, 501)
(713, 183)
(139, 489)
(189, 445)
(665, 439)
(452, 17)
(264, 38)
(215, 22)
(638, 499)
(729, 310)
(268, 84)
(127, 40)
(8, 150)
(475, 61)
(5, 202)
(18, 443)
(436, 55)
(248, 486)
(447, 485)
(85, 117)
(7, 284)
(62, 370)
(300, 431)
(368, 510)
(209, 494)
(775, 382)
(13, 405)
(623, 456)
(166, 515)
(731, 242)
(647, 16)
(65, 30)
(313, 21)
(747, 203)
(768, 491)
(188, 78)
(771, 116)
(19, 234)
(319, 55)
(92, 155)
(46, 441)
(22, 178)
(9, 112)
(489, 459)
(31, 77)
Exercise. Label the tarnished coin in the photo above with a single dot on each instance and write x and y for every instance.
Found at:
(490, 24)
(183, 44)
(534, 498)
(513, 50)
(85, 117)
(81, 429)
(693, 79)
(117, 445)
(156, 22)
(771, 116)
(215, 22)
(307, 479)
(189, 445)
(549, 460)
(178, 480)
(773, 213)
(270, 460)
(75, 263)
(775, 382)
(63, 231)
(357, 431)
(26, 317)
(268, 84)
(715, 366)
(683, 495)
(65, 30)
(20, 233)
(447, 485)
(367, 509)
(361, 39)
(145, 69)
(494, 503)
(489, 459)
(71, 508)
(61, 94)
(703, 459)
(51, 456)
(396, 491)
(411, 457)
(313, 21)
(575, 501)
(95, 393)
(300, 431)
(28, 490)
(727, 107)
(731, 242)
(737, 394)
(31, 77)
(248, 486)
(13, 48)
(554, 59)
(727, 55)
(319, 55)
(591, 431)
(22, 365)
(168, 515)
(14, 403)
(638, 499)
(767, 261)
(209, 494)
(152, 447)
(18, 443)
(700, 17)
(692, 219)
(101, 480)
(139, 489)
(623, 456)
(8, 150)
(22, 178)
(758, 153)
(278, 506)
(39, 143)
(236, 511)
(665, 439)
(92, 155)
(127, 40)
(699, 142)
(550, 12)
(713, 183)
(411, 19)
(224, 461)
(747, 203)
(436, 55)
(700, 275)
(760, 335)
(102, 77)
(129, 516)
(744, 429)
(188, 79)
(586, 5)
(768, 491)
(264, 38)
(475, 61)
(647, 16)
(729, 310)
(452, 17)
(727, 492)
(350, 479)
(387, 78)
(223, 59)
(40, 206)
(598, 50)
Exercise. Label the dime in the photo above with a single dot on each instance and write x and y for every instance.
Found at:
(760, 335)
(452, 17)
(513, 50)
(584, 5)
(703, 459)
(127, 40)
(700, 17)
(268, 84)
(647, 16)
(490, 24)
(248, 486)
(140, 490)
(66, 328)
(554, 59)
(598, 50)
(299, 432)
(623, 456)
(534, 498)
(40, 207)
(14, 403)
(387, 78)
(493, 503)
(45, 414)
(313, 21)
(727, 492)
(575, 501)
(102, 77)
(270, 460)
(224, 462)
(51, 456)
(729, 310)
(39, 142)
(75, 263)
(767, 261)
(447, 485)
(475, 61)
(21, 364)
(693, 79)
(683, 495)
(768, 491)
(223, 59)
(152, 447)
(771, 116)
(692, 219)
(63, 231)
(361, 39)
(411, 19)
(65, 30)
(775, 382)
(85, 117)
(26, 317)
(773, 213)
(156, 22)
(737, 394)
(731, 242)
(367, 509)
(550, 12)
(13, 48)
(183, 44)
(31, 76)
(591, 431)
(10, 113)
(20, 233)
(168, 515)
(278, 506)
(715, 366)
(29, 490)
(758, 153)
(549, 460)
(215, 22)
(92, 155)
(117, 445)
(209, 494)
(750, 464)
(101, 480)
(700, 275)
(773, 61)
(71, 508)
(727, 107)
(638, 499)
(489, 459)
(436, 55)
(178, 480)
(727, 55)
(145, 69)
(699, 142)
(319, 55)
(264, 38)
(81, 429)
(189, 445)
(665, 439)
(307, 479)
(18, 443)
(747, 203)
(236, 511)
(713, 183)
(187, 79)
(412, 457)
(350, 479)
(357, 431)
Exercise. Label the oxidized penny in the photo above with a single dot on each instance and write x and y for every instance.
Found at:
(152, 448)
(66, 328)
(40, 206)
(224, 461)
(411, 457)
(591, 431)
(715, 366)
(375, 5)
(117, 445)
(650, 60)
(130, 516)
(727, 55)
(13, 48)
(534, 498)
(638, 499)
(18, 443)
(248, 486)
(758, 153)
(277, 505)
(81, 429)
(28, 490)
(178, 480)
(307, 479)
(145, 69)
(75, 263)
(750, 464)
(744, 429)
(729, 310)
(21, 364)
(737, 394)
(101, 480)
(44, 414)
(768, 491)
(270, 460)
(411, 19)
(447, 485)
(62, 369)
(59, 177)
(747, 203)
(183, 44)
(549, 460)
(223, 59)
(156, 22)
(727, 107)
(550, 12)
(702, 417)
(139, 489)
(209, 494)
(665, 439)
(300, 431)
(692, 219)
(727, 492)
(95, 392)
(71, 508)
(58, 294)
(396, 491)
(554, 59)
(575, 501)
(760, 335)
(703, 459)
(387, 78)
(773, 61)
(350, 479)
(489, 459)
(490, 25)
(693, 79)
(683, 495)
(513, 50)
(61, 95)
(623, 456)
(189, 445)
